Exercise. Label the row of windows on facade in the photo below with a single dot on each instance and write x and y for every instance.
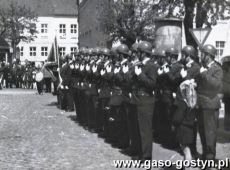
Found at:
(62, 28)
(44, 51)
(220, 45)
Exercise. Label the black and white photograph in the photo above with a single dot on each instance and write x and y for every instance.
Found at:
(114, 84)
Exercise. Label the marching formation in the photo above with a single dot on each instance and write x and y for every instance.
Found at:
(132, 96)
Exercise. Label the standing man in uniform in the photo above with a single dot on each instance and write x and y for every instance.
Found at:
(134, 148)
(209, 84)
(226, 91)
(184, 117)
(145, 82)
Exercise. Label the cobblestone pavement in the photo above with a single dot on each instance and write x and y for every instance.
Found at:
(35, 135)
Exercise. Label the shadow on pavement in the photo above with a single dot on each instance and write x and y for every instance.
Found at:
(52, 104)
(73, 118)
(223, 135)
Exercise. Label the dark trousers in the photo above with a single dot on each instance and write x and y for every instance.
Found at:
(55, 88)
(65, 100)
(145, 109)
(165, 113)
(227, 112)
(208, 124)
(48, 84)
(122, 121)
(133, 129)
(74, 92)
(101, 117)
(8, 83)
(93, 99)
(113, 126)
(82, 107)
(39, 87)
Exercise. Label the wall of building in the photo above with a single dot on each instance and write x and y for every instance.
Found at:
(91, 34)
(218, 37)
(46, 39)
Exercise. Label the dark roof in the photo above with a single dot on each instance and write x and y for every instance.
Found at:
(3, 43)
(47, 7)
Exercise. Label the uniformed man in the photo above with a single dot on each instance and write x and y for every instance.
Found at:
(184, 117)
(77, 78)
(114, 100)
(82, 88)
(128, 69)
(91, 92)
(65, 74)
(119, 96)
(145, 83)
(170, 81)
(158, 117)
(74, 80)
(226, 91)
(209, 84)
(103, 92)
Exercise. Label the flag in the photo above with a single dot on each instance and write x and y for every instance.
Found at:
(51, 56)
(54, 54)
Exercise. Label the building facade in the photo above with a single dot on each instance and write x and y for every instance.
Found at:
(55, 18)
(218, 37)
(91, 34)
(48, 27)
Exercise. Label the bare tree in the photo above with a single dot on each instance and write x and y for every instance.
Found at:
(17, 23)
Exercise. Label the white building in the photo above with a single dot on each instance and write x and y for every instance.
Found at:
(48, 27)
(218, 37)
(55, 18)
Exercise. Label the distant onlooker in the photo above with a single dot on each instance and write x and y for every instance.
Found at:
(47, 79)
(8, 75)
(39, 83)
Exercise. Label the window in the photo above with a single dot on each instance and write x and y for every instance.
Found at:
(32, 51)
(62, 51)
(220, 48)
(73, 49)
(62, 29)
(44, 51)
(73, 29)
(44, 28)
(21, 51)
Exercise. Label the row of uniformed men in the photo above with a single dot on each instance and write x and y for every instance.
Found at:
(122, 94)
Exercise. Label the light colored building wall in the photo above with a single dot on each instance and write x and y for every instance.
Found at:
(218, 37)
(67, 39)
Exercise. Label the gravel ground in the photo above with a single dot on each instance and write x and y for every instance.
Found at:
(35, 135)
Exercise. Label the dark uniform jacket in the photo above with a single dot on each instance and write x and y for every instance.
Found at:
(145, 83)
(183, 114)
(65, 73)
(226, 79)
(209, 84)
(169, 82)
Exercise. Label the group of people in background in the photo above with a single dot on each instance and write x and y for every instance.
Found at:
(17, 75)
(130, 96)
